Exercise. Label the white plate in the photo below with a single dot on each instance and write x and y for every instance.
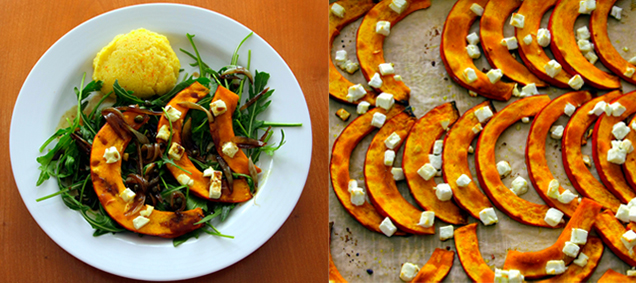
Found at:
(48, 92)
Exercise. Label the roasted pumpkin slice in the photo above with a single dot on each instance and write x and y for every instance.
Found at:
(503, 198)
(418, 146)
(369, 45)
(467, 246)
(611, 276)
(338, 85)
(436, 268)
(612, 174)
(538, 169)
(381, 187)
(533, 54)
(593, 249)
(603, 45)
(611, 230)
(455, 58)
(491, 28)
(455, 156)
(334, 274)
(532, 264)
(629, 167)
(108, 185)
(339, 167)
(580, 176)
(200, 187)
(566, 51)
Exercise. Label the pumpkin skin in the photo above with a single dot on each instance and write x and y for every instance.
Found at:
(491, 28)
(578, 173)
(611, 276)
(381, 187)
(108, 184)
(467, 246)
(369, 45)
(612, 174)
(418, 145)
(455, 161)
(610, 230)
(343, 146)
(532, 264)
(629, 167)
(241, 190)
(537, 165)
(455, 58)
(533, 55)
(604, 48)
(503, 198)
(566, 50)
(436, 268)
(334, 274)
(594, 250)
(338, 85)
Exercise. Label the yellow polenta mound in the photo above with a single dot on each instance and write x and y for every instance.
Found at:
(141, 61)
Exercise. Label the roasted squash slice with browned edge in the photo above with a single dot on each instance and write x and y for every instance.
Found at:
(611, 276)
(334, 274)
(338, 85)
(370, 45)
(593, 249)
(611, 230)
(612, 174)
(533, 55)
(579, 175)
(343, 146)
(538, 169)
(629, 167)
(381, 187)
(566, 51)
(491, 28)
(455, 58)
(436, 268)
(503, 198)
(532, 264)
(200, 187)
(603, 45)
(108, 184)
(467, 246)
(418, 146)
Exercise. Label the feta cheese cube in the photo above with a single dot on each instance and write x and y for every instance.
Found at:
(584, 45)
(185, 180)
(591, 57)
(172, 113)
(427, 171)
(230, 149)
(477, 9)
(140, 221)
(386, 69)
(598, 109)
(552, 68)
(351, 67)
(463, 180)
(633, 126)
(127, 195)
(514, 276)
(477, 128)
(616, 156)
(632, 213)
(398, 173)
(483, 114)
(376, 81)
(631, 203)
(581, 260)
(446, 232)
(569, 109)
(556, 132)
(164, 133)
(504, 169)
(578, 236)
(629, 72)
(553, 217)
(216, 185)
(341, 56)
(408, 271)
(527, 39)
(517, 20)
(620, 130)
(383, 28)
(363, 107)
(576, 82)
(622, 213)
(629, 239)
(488, 216)
(111, 155)
(389, 157)
(567, 196)
(587, 160)
(554, 267)
(176, 151)
(352, 185)
(544, 37)
(392, 140)
(582, 33)
(378, 119)
(438, 147)
(398, 6)
(470, 75)
(525, 120)
(587, 6)
(435, 160)
(631, 273)
(443, 192)
(355, 92)
(616, 12)
(397, 78)
(617, 109)
(427, 219)
(571, 249)
(553, 189)
(384, 100)
(444, 123)
(626, 146)
(510, 43)
(632, 60)
(473, 39)
(529, 89)
(519, 186)
(146, 212)
(218, 107)
(337, 10)
(387, 227)
(494, 75)
(473, 51)
(357, 196)
(470, 149)
(501, 276)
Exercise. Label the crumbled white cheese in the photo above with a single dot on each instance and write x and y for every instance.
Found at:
(378, 119)
(383, 28)
(616, 156)
(488, 216)
(581, 260)
(598, 109)
(127, 195)
(351, 67)
(444, 123)
(616, 12)
(552, 68)
(443, 192)
(435, 160)
(111, 155)
(477, 128)
(185, 180)
(587, 6)
(483, 114)
(504, 169)
(164, 133)
(591, 57)
(620, 130)
(622, 213)
(355, 92)
(553, 189)
(631, 273)
(218, 107)
(587, 161)
(427, 171)
(576, 82)
(470, 75)
(337, 10)
(567, 196)
(397, 78)
(384, 100)
(392, 140)
(171, 113)
(519, 186)
(427, 219)
(387, 227)
(632, 213)
(529, 89)
(510, 43)
(446, 232)
(515, 276)
(398, 174)
(472, 38)
(389, 157)
(553, 217)
(501, 276)
(571, 249)
(632, 60)
(543, 37)
(357, 196)
(376, 81)
(216, 185)
(494, 75)
(408, 271)
(527, 39)
(617, 109)
(473, 51)
(140, 221)
(629, 239)
(626, 146)
(554, 267)
(578, 236)
(176, 151)
(629, 72)
(341, 56)
(438, 147)
(146, 212)
(471, 149)
(352, 184)
(569, 109)
(386, 69)
(582, 33)
(230, 149)
(398, 6)
(363, 107)
(584, 45)
(556, 132)
(477, 9)
(463, 180)
(525, 120)
(517, 20)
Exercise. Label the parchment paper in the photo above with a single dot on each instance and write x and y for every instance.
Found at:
(413, 46)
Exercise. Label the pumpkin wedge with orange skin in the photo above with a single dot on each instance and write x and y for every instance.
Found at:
(537, 165)
(491, 28)
(533, 55)
(455, 161)
(381, 187)
(455, 58)
(610, 229)
(108, 184)
(370, 45)
(611, 276)
(418, 145)
(532, 264)
(503, 198)
(594, 250)
(241, 190)
(467, 246)
(436, 268)
(343, 146)
(338, 85)
(603, 45)
(566, 51)
(579, 175)
(629, 167)
(334, 274)
(612, 174)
